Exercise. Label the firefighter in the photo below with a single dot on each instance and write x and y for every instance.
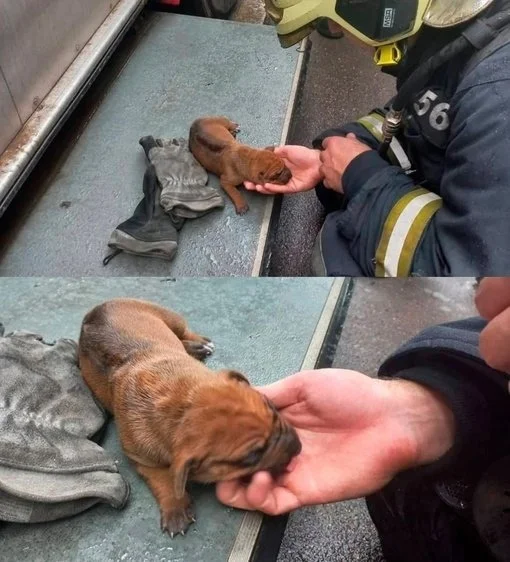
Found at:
(421, 186)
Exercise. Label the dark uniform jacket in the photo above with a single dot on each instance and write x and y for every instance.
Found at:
(451, 215)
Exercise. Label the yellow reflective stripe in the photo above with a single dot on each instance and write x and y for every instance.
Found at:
(402, 232)
(415, 235)
(371, 127)
(373, 124)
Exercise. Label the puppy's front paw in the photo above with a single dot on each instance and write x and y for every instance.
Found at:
(199, 349)
(242, 209)
(177, 521)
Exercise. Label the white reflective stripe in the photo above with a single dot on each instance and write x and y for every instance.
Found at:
(401, 229)
(395, 145)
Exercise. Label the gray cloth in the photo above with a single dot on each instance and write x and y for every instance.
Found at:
(49, 467)
(184, 189)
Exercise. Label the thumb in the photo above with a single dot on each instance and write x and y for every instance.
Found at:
(281, 151)
(285, 392)
(351, 136)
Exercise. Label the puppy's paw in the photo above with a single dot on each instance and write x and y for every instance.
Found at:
(199, 349)
(234, 129)
(177, 521)
(242, 209)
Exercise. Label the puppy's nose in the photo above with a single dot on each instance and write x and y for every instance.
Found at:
(293, 443)
(286, 176)
(295, 447)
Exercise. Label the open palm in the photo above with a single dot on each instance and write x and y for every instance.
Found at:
(348, 434)
(304, 163)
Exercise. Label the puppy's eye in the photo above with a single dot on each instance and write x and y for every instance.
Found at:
(253, 458)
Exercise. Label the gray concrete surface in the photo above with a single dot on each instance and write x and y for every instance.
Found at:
(262, 327)
(183, 68)
(342, 83)
(382, 315)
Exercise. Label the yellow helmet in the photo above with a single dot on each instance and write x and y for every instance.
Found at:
(375, 22)
(446, 13)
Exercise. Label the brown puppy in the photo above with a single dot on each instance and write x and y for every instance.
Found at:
(212, 141)
(177, 420)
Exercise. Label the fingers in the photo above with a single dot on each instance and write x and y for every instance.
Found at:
(493, 296)
(494, 342)
(267, 189)
(261, 494)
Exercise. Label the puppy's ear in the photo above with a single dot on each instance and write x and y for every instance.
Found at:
(270, 148)
(235, 376)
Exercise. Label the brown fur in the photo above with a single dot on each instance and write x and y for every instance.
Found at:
(177, 419)
(212, 141)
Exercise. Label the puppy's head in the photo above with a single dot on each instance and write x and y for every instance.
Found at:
(230, 431)
(271, 169)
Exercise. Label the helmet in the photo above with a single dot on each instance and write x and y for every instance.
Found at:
(446, 13)
(375, 22)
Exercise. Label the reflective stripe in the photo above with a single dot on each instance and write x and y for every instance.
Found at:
(402, 232)
(373, 123)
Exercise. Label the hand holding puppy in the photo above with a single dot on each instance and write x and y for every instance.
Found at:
(304, 163)
(309, 167)
(356, 433)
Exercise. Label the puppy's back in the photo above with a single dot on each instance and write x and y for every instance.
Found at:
(209, 140)
(119, 331)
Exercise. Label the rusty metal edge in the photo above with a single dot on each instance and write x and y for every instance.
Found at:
(27, 147)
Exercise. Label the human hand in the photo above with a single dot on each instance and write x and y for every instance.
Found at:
(304, 163)
(356, 433)
(493, 303)
(338, 153)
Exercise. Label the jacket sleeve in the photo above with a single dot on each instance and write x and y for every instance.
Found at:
(477, 395)
(394, 227)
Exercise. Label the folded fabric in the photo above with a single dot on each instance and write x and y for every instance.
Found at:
(149, 232)
(49, 466)
(184, 190)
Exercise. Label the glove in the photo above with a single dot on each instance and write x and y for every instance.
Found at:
(149, 232)
(184, 193)
(49, 466)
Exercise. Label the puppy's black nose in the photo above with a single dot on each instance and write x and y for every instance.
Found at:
(293, 443)
(285, 176)
(296, 447)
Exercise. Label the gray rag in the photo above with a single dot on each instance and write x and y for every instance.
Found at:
(184, 189)
(49, 467)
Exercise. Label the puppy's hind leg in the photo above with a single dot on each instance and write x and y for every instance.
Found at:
(197, 346)
(198, 350)
(176, 513)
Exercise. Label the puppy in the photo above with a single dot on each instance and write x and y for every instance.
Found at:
(212, 141)
(178, 421)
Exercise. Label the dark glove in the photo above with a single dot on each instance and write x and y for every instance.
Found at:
(149, 232)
